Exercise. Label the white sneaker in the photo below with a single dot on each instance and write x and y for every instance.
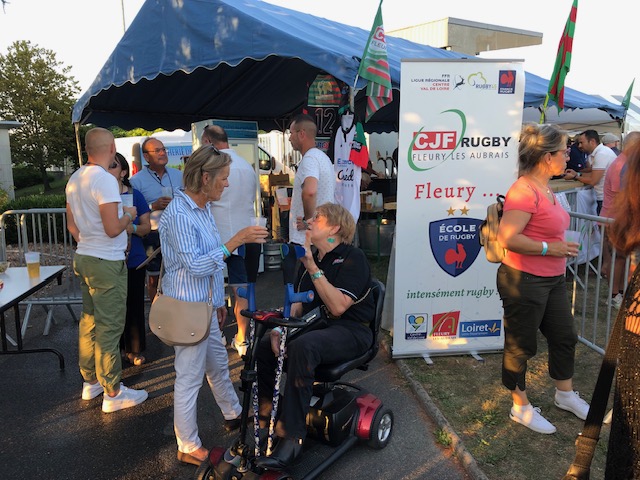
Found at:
(572, 402)
(126, 398)
(531, 418)
(90, 390)
(241, 347)
(616, 302)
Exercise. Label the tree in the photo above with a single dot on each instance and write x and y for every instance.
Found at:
(37, 91)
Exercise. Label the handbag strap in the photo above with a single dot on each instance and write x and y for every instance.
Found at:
(159, 288)
(588, 439)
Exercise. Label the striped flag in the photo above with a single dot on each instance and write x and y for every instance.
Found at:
(375, 68)
(626, 101)
(563, 59)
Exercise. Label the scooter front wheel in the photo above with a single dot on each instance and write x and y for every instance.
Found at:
(205, 471)
(214, 467)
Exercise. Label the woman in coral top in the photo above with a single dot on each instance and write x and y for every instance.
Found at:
(531, 279)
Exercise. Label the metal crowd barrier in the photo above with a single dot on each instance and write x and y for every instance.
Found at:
(42, 230)
(592, 293)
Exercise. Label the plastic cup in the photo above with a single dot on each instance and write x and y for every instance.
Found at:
(166, 192)
(572, 236)
(33, 264)
(259, 222)
(127, 199)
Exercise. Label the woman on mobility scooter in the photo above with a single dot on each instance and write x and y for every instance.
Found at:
(339, 276)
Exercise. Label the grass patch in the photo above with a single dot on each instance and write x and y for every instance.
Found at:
(471, 396)
(443, 438)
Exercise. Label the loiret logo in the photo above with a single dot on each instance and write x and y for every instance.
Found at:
(480, 328)
(445, 324)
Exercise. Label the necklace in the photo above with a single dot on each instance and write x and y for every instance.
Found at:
(541, 185)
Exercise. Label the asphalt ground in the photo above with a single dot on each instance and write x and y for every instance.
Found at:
(49, 432)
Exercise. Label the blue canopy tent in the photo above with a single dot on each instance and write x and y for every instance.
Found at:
(182, 62)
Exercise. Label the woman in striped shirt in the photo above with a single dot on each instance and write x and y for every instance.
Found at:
(193, 258)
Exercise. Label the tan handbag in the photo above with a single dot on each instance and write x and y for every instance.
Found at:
(177, 322)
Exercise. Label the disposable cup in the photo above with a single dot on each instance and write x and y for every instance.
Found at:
(572, 236)
(33, 264)
(259, 221)
(167, 192)
(127, 199)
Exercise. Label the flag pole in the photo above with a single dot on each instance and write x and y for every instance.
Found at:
(543, 113)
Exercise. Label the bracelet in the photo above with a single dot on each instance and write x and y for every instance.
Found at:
(225, 251)
(317, 275)
(545, 246)
(277, 329)
(578, 174)
(151, 207)
(129, 215)
(135, 227)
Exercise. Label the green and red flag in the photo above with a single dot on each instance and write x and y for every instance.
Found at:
(626, 101)
(563, 59)
(359, 154)
(374, 67)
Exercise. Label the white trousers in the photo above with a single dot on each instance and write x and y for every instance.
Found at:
(208, 358)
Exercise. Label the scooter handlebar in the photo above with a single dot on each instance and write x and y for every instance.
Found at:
(274, 318)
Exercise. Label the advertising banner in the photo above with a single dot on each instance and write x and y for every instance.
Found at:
(458, 140)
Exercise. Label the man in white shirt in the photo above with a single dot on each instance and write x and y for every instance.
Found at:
(600, 157)
(313, 185)
(234, 211)
(98, 222)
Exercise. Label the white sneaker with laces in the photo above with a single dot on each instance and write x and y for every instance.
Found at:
(572, 402)
(530, 417)
(126, 398)
(91, 390)
(241, 347)
(616, 302)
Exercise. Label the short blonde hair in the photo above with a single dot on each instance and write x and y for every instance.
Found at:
(205, 159)
(338, 216)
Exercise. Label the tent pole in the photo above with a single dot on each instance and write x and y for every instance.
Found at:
(78, 144)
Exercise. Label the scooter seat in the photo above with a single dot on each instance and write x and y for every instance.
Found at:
(333, 372)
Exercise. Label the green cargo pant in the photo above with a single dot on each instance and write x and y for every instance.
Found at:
(104, 301)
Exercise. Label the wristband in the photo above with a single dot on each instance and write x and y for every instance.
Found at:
(277, 329)
(225, 251)
(135, 227)
(151, 207)
(545, 246)
(578, 174)
(317, 275)
(129, 215)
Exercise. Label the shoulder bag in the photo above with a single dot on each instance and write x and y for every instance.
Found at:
(178, 322)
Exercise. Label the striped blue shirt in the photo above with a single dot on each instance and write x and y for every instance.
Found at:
(191, 252)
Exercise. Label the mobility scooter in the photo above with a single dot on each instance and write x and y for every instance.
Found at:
(340, 415)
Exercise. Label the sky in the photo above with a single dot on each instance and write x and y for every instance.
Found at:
(83, 33)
